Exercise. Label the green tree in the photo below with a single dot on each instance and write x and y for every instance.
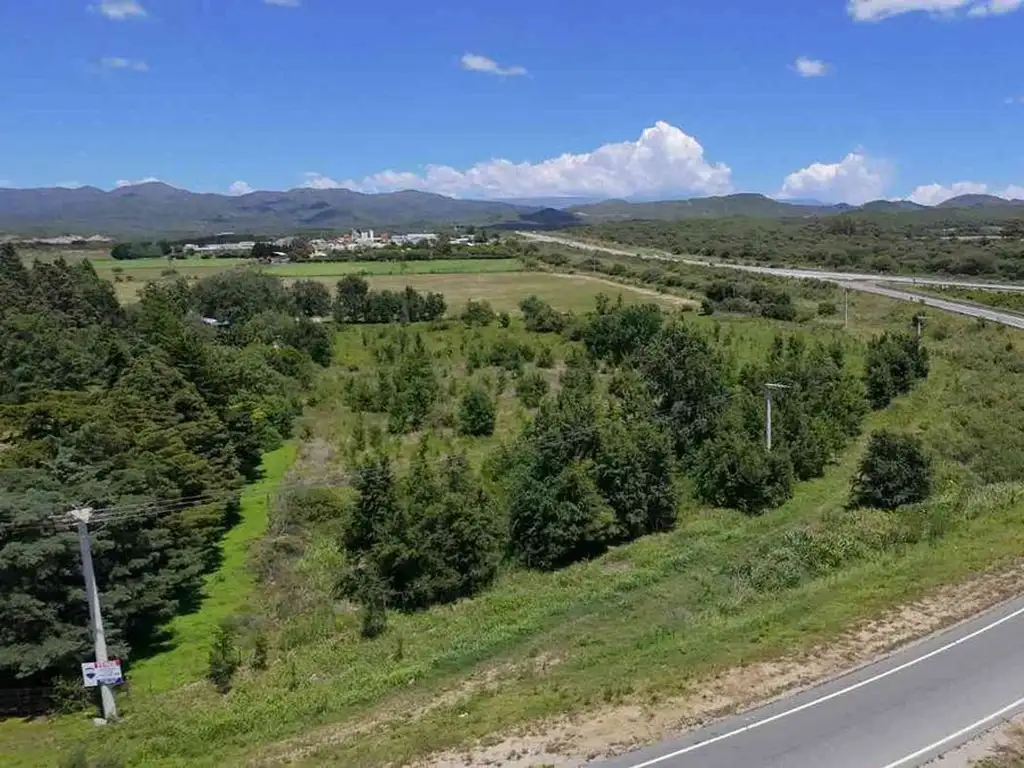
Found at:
(477, 313)
(311, 298)
(734, 471)
(895, 471)
(620, 332)
(477, 413)
(350, 299)
(687, 379)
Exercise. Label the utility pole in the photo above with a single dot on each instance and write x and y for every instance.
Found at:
(92, 595)
(846, 307)
(919, 321)
(768, 389)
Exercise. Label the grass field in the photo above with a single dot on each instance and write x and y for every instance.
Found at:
(129, 277)
(646, 621)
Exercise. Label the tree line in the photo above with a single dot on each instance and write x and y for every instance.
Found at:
(144, 408)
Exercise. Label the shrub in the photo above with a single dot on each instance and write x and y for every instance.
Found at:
(734, 471)
(827, 309)
(477, 413)
(531, 388)
(477, 313)
(894, 471)
(260, 651)
(224, 658)
(546, 358)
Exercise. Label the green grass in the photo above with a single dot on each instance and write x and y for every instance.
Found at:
(435, 267)
(645, 621)
(226, 591)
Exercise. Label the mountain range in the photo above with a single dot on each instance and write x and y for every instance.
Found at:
(155, 208)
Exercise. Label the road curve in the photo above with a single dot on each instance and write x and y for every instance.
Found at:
(811, 274)
(900, 712)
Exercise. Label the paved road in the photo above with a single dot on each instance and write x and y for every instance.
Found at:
(813, 274)
(900, 712)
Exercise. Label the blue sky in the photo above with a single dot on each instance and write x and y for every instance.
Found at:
(829, 99)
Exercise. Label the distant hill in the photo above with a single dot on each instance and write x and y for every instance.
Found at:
(747, 204)
(761, 206)
(160, 209)
(157, 209)
(892, 206)
(980, 201)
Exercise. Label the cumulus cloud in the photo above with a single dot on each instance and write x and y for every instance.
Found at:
(119, 10)
(855, 179)
(933, 194)
(284, 3)
(316, 180)
(477, 63)
(876, 10)
(240, 188)
(806, 67)
(117, 62)
(126, 183)
(663, 161)
(69, 184)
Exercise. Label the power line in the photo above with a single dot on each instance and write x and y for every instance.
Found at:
(115, 514)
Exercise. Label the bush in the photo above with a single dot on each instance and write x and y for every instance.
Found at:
(734, 471)
(895, 471)
(477, 413)
(895, 361)
(531, 388)
(477, 313)
(546, 358)
(827, 309)
(224, 658)
(260, 651)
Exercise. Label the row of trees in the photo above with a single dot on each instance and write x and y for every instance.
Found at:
(145, 408)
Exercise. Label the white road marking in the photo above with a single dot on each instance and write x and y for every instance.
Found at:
(962, 732)
(841, 692)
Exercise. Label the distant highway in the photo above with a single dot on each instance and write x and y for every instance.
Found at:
(900, 712)
(812, 274)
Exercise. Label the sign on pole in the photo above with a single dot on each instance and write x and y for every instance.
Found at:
(101, 673)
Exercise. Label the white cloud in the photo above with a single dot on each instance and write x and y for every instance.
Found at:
(664, 160)
(810, 67)
(876, 10)
(240, 188)
(1014, 100)
(119, 10)
(316, 180)
(69, 184)
(477, 63)
(284, 3)
(855, 179)
(117, 62)
(933, 194)
(127, 183)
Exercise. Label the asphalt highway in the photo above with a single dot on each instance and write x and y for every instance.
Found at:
(900, 712)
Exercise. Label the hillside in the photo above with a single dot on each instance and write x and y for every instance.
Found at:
(157, 208)
(763, 207)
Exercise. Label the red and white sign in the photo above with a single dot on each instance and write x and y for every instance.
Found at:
(101, 673)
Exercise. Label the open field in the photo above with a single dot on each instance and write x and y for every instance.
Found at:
(646, 622)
